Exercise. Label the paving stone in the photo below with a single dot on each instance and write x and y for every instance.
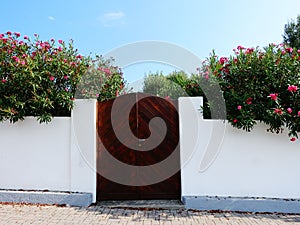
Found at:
(47, 215)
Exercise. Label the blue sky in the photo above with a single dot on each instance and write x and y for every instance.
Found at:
(98, 26)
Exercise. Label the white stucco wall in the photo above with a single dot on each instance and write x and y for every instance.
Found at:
(236, 163)
(58, 156)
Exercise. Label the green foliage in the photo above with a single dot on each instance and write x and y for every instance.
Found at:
(291, 35)
(37, 78)
(260, 85)
(171, 85)
(102, 81)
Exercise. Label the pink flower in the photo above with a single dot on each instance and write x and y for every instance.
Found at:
(78, 57)
(249, 50)
(289, 110)
(223, 60)
(3, 80)
(292, 88)
(283, 52)
(278, 111)
(66, 77)
(8, 32)
(293, 139)
(298, 50)
(249, 101)
(235, 120)
(17, 34)
(239, 107)
(289, 50)
(106, 70)
(60, 41)
(274, 96)
(167, 97)
(52, 78)
(17, 59)
(23, 62)
(298, 113)
(240, 47)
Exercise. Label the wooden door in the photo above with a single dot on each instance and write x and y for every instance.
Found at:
(144, 109)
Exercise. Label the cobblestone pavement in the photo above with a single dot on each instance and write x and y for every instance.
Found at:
(37, 214)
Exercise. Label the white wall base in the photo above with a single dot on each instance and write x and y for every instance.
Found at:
(242, 204)
(42, 197)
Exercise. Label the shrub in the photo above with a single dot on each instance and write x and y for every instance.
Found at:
(37, 78)
(172, 85)
(260, 85)
(102, 81)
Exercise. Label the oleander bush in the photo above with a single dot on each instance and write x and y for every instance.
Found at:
(37, 78)
(259, 85)
(102, 81)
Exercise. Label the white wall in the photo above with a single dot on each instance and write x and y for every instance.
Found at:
(58, 156)
(219, 160)
(83, 145)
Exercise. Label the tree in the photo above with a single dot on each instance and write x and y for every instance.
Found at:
(291, 35)
(163, 86)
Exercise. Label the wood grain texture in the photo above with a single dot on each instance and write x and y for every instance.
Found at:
(145, 109)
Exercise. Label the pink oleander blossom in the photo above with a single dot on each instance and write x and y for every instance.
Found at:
(292, 88)
(223, 60)
(249, 101)
(290, 50)
(274, 96)
(293, 139)
(240, 47)
(278, 111)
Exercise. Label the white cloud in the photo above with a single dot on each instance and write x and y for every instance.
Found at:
(113, 15)
(51, 18)
(112, 18)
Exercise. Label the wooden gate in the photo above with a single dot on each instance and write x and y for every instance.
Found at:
(110, 149)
